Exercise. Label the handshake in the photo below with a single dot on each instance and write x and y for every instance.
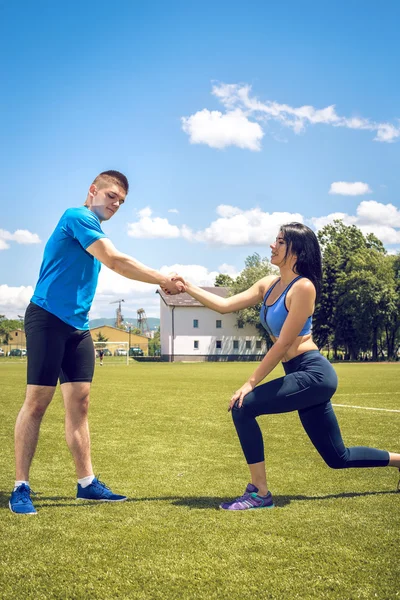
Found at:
(175, 284)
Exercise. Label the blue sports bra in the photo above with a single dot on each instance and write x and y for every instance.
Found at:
(273, 317)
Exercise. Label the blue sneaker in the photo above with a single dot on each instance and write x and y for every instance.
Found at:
(249, 501)
(98, 491)
(20, 501)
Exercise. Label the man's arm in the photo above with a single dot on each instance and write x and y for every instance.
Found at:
(123, 264)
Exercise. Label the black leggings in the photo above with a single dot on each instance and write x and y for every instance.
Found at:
(307, 387)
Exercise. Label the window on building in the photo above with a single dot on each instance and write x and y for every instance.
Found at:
(236, 344)
(16, 334)
(196, 344)
(195, 323)
(248, 344)
(240, 325)
(258, 344)
(218, 344)
(218, 323)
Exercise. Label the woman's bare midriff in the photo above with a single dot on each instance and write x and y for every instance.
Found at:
(303, 344)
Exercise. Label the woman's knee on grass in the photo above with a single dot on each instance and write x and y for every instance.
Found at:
(240, 415)
(336, 461)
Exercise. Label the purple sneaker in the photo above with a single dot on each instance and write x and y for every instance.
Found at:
(249, 500)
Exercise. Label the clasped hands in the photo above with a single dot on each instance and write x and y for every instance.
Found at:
(175, 284)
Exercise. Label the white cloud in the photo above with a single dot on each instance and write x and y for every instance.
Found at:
(370, 211)
(228, 270)
(197, 274)
(235, 227)
(234, 127)
(371, 217)
(245, 227)
(14, 300)
(387, 234)
(221, 130)
(112, 287)
(387, 132)
(320, 222)
(145, 212)
(227, 211)
(21, 236)
(173, 210)
(149, 227)
(347, 188)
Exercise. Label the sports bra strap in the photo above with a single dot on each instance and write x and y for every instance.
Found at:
(292, 282)
(268, 292)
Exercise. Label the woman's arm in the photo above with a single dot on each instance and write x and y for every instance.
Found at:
(301, 307)
(250, 297)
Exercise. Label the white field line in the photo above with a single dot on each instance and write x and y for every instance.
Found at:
(393, 410)
(370, 394)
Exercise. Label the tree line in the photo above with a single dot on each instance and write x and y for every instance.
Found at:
(358, 313)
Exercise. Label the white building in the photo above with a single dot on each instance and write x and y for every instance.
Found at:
(190, 331)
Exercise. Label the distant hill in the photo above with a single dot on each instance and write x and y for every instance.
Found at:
(152, 322)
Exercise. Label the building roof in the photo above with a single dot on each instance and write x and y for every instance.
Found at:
(186, 300)
(118, 329)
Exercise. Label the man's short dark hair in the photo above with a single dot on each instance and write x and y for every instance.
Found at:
(112, 177)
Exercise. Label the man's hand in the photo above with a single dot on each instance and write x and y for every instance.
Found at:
(173, 285)
(239, 395)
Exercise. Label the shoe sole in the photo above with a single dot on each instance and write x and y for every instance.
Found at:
(244, 509)
(17, 513)
(100, 500)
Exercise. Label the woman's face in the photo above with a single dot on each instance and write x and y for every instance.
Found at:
(278, 250)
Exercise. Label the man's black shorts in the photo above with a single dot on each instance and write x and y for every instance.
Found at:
(56, 350)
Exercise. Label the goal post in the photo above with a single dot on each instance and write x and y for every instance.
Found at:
(114, 353)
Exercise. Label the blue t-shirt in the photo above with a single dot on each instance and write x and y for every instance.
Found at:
(68, 275)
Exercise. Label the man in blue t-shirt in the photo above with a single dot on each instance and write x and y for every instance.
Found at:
(58, 341)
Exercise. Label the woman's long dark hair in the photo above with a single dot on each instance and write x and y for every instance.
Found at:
(303, 243)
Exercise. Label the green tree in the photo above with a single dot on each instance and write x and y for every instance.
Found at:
(6, 326)
(101, 338)
(390, 333)
(336, 319)
(255, 269)
(363, 301)
(223, 280)
(155, 344)
(136, 331)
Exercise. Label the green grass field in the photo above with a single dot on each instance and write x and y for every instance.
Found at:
(162, 435)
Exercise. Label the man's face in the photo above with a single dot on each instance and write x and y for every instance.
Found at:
(105, 201)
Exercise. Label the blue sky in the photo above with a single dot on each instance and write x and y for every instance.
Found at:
(228, 119)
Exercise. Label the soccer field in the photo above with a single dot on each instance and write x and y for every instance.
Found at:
(162, 435)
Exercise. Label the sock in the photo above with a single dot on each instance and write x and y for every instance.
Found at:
(18, 483)
(85, 481)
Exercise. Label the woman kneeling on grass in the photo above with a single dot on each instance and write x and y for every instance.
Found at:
(310, 380)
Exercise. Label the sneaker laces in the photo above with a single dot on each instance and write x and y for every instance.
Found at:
(24, 494)
(102, 484)
(245, 496)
